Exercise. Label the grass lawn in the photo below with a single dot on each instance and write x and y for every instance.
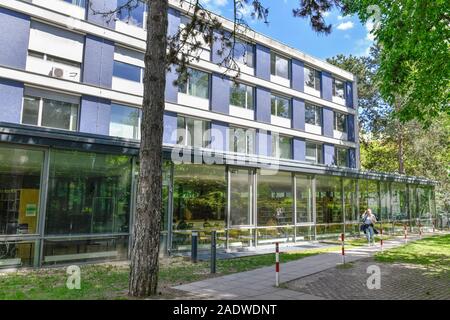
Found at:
(432, 253)
(110, 281)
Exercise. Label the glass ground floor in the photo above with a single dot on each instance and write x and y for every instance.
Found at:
(61, 206)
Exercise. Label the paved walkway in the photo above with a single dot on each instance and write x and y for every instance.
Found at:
(259, 284)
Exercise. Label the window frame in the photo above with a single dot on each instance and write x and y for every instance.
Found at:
(335, 91)
(247, 132)
(317, 114)
(136, 136)
(187, 84)
(247, 88)
(74, 117)
(337, 157)
(318, 150)
(277, 97)
(141, 73)
(336, 120)
(206, 127)
(276, 152)
(317, 78)
(274, 68)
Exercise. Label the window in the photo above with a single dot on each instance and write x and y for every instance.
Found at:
(338, 88)
(48, 57)
(88, 193)
(125, 122)
(127, 71)
(341, 157)
(241, 95)
(280, 107)
(244, 53)
(193, 132)
(281, 147)
(196, 83)
(242, 140)
(313, 114)
(133, 13)
(275, 199)
(313, 152)
(20, 185)
(312, 78)
(340, 122)
(279, 66)
(49, 113)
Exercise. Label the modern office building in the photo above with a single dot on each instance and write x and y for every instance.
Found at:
(283, 140)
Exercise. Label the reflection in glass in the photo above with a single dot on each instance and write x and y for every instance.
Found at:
(88, 193)
(20, 182)
(328, 200)
(275, 199)
(124, 122)
(350, 201)
(241, 197)
(304, 199)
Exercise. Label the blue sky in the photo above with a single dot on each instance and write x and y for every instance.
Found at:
(349, 36)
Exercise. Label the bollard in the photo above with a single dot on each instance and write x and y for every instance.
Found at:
(434, 228)
(420, 230)
(343, 248)
(213, 251)
(381, 241)
(194, 246)
(277, 264)
(405, 232)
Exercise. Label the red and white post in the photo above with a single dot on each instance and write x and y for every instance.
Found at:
(381, 237)
(277, 264)
(405, 233)
(343, 248)
(420, 230)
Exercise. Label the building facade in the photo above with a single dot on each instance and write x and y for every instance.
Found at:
(271, 157)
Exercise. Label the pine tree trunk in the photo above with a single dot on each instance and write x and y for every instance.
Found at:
(147, 221)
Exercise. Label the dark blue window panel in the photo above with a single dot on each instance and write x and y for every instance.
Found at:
(127, 71)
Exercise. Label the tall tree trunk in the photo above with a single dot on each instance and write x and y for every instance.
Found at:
(146, 231)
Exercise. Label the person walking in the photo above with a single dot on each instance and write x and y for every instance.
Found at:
(369, 220)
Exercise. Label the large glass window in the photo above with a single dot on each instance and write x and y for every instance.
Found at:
(368, 196)
(193, 132)
(399, 202)
(350, 201)
(15, 254)
(328, 200)
(125, 122)
(281, 147)
(241, 196)
(304, 199)
(338, 88)
(20, 183)
(131, 12)
(199, 197)
(244, 53)
(127, 71)
(312, 78)
(281, 107)
(88, 193)
(241, 95)
(313, 114)
(340, 122)
(279, 66)
(313, 152)
(50, 113)
(275, 199)
(195, 83)
(242, 140)
(385, 201)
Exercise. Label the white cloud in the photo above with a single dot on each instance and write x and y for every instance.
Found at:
(326, 13)
(214, 5)
(345, 25)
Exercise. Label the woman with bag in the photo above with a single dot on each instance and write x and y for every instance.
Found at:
(368, 220)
